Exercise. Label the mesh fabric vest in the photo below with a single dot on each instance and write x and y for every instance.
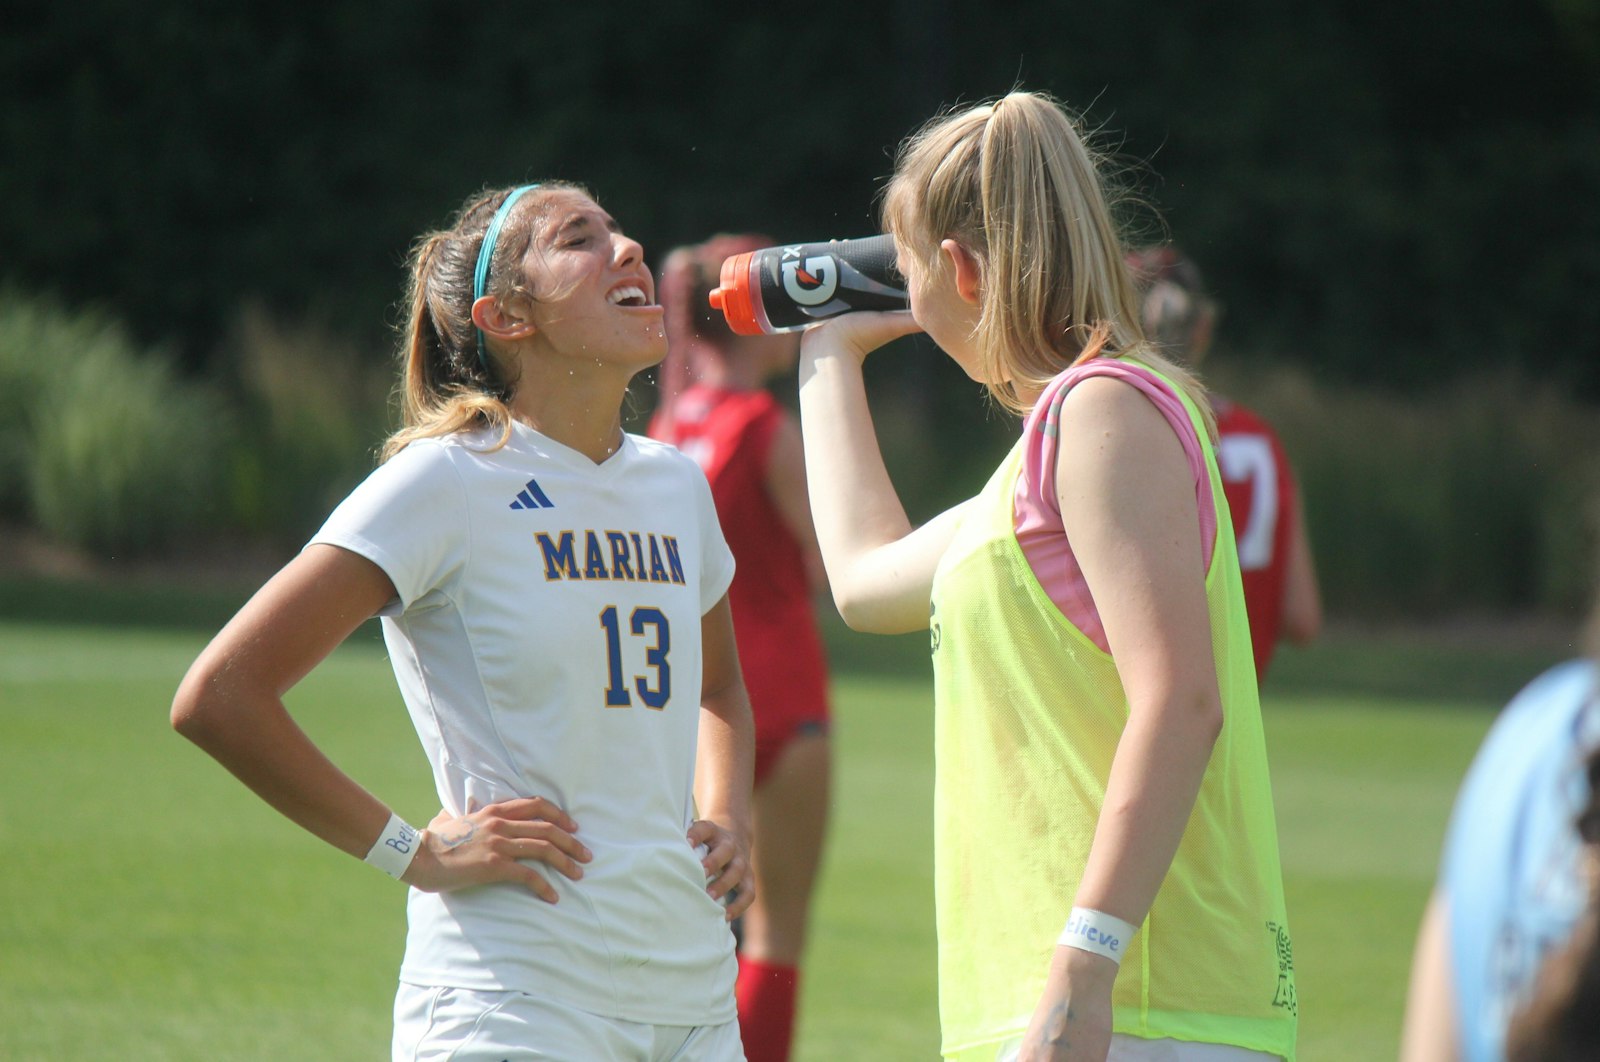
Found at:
(1028, 712)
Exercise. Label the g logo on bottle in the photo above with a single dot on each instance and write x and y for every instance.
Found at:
(812, 283)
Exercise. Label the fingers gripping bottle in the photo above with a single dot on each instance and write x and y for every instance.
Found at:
(784, 289)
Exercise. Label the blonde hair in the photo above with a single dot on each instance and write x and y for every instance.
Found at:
(445, 387)
(1014, 183)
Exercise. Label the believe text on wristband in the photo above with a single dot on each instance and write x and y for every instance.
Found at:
(1097, 932)
(396, 845)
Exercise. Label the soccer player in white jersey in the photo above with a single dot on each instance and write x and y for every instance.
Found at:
(553, 596)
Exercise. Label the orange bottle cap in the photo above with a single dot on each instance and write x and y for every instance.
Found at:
(733, 297)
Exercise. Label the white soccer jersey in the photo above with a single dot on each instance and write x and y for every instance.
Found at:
(546, 640)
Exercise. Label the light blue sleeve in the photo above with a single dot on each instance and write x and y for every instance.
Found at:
(1510, 865)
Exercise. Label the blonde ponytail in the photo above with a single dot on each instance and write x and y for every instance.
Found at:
(1017, 186)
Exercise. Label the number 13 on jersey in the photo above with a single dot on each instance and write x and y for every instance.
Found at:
(650, 626)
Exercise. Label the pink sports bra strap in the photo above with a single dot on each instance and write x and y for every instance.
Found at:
(1037, 513)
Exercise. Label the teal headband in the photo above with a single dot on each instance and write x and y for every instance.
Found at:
(480, 276)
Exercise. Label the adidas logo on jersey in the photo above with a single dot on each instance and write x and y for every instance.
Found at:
(531, 497)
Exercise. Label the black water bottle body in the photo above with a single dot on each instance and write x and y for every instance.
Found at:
(784, 289)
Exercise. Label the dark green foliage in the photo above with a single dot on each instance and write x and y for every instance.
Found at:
(313, 413)
(125, 457)
(1389, 192)
(103, 446)
(38, 340)
(1475, 496)
(1384, 197)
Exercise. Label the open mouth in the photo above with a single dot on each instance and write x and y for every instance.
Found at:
(627, 295)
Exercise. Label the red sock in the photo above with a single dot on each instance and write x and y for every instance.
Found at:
(766, 994)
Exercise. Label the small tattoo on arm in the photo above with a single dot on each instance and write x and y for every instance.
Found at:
(458, 833)
(1054, 1033)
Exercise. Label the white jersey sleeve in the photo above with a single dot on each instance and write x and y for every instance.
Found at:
(409, 518)
(716, 561)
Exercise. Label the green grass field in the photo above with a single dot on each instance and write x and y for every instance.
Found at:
(151, 908)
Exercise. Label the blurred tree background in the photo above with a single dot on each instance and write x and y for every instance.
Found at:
(1387, 199)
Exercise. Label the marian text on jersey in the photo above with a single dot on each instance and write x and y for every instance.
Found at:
(629, 556)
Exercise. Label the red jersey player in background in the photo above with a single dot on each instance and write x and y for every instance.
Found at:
(1280, 578)
(715, 407)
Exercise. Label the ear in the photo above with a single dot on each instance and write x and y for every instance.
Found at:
(494, 319)
(965, 265)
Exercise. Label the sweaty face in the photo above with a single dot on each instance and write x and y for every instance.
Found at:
(594, 299)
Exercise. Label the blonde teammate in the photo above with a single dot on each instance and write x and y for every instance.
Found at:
(1106, 862)
(553, 594)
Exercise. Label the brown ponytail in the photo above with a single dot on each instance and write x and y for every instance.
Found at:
(445, 387)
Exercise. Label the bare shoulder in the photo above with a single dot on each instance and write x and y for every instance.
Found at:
(1106, 404)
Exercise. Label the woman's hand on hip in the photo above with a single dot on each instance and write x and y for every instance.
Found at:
(726, 860)
(489, 844)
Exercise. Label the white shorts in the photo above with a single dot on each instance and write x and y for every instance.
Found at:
(460, 1025)
(1138, 1049)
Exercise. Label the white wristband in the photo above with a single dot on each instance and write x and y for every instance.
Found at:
(394, 848)
(1097, 932)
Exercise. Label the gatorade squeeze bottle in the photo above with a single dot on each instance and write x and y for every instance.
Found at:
(783, 289)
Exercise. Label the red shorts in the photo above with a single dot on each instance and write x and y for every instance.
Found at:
(787, 679)
(770, 748)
